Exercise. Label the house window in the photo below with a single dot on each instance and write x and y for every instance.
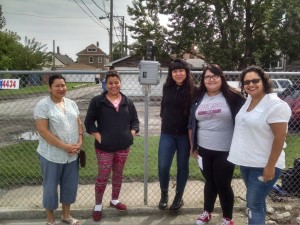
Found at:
(92, 50)
(91, 59)
(99, 59)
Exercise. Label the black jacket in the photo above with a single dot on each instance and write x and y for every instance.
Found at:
(173, 111)
(114, 126)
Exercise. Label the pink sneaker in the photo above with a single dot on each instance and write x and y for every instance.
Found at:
(97, 216)
(203, 218)
(226, 221)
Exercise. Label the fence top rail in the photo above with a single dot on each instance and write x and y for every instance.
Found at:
(122, 72)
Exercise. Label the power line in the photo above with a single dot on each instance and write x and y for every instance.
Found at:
(101, 25)
(54, 17)
(104, 5)
(100, 7)
(93, 14)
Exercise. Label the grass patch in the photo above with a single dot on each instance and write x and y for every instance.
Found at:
(19, 164)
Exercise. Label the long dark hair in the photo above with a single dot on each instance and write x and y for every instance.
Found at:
(228, 91)
(267, 84)
(188, 85)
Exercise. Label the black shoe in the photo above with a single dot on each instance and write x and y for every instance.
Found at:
(163, 203)
(178, 202)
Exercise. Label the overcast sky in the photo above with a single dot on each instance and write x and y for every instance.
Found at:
(70, 23)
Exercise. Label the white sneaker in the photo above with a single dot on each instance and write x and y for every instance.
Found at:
(226, 221)
(203, 218)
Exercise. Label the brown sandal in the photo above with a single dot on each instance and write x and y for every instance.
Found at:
(48, 223)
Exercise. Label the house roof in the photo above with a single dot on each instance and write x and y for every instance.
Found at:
(134, 60)
(117, 60)
(64, 59)
(78, 66)
(85, 52)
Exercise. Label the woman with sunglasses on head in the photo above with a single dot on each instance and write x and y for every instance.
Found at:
(113, 121)
(211, 124)
(258, 141)
(175, 105)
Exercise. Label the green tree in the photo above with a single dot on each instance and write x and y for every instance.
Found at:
(9, 42)
(233, 34)
(2, 19)
(32, 56)
(117, 50)
(16, 56)
(147, 27)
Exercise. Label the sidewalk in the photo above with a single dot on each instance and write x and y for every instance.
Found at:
(138, 217)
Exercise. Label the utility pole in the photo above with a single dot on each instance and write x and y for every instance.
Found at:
(122, 27)
(110, 31)
(126, 41)
(122, 50)
(111, 20)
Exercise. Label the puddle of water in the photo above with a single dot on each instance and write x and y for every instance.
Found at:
(28, 136)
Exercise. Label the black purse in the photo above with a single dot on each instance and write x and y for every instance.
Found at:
(82, 158)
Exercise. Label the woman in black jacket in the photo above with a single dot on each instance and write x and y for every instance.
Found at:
(116, 125)
(176, 101)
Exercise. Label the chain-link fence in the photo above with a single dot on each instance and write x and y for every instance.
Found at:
(20, 176)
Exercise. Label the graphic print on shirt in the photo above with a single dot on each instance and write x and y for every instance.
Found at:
(210, 110)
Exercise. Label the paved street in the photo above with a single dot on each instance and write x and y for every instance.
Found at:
(183, 218)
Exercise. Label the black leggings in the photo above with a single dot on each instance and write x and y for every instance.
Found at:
(218, 172)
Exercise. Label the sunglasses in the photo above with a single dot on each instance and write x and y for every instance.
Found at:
(254, 81)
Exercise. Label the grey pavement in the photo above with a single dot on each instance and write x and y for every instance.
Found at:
(23, 206)
(138, 217)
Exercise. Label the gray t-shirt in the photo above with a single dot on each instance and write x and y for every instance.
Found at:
(214, 123)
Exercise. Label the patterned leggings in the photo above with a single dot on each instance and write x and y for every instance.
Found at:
(114, 161)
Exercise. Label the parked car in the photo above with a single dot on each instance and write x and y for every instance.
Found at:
(279, 85)
(235, 84)
(292, 96)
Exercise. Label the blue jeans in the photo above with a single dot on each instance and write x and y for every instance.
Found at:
(168, 145)
(66, 175)
(257, 192)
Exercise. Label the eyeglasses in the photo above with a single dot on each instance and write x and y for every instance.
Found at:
(254, 81)
(214, 77)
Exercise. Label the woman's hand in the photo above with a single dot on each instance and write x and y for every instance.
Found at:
(133, 132)
(194, 154)
(97, 136)
(269, 173)
(72, 149)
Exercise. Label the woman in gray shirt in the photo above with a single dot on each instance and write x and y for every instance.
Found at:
(210, 126)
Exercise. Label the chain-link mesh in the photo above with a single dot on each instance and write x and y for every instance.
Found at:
(20, 175)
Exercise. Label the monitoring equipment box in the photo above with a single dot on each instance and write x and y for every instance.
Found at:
(150, 72)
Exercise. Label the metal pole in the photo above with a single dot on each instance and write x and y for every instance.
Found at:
(111, 19)
(126, 53)
(146, 145)
(122, 46)
(53, 56)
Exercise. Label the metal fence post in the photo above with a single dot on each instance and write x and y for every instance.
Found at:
(146, 137)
